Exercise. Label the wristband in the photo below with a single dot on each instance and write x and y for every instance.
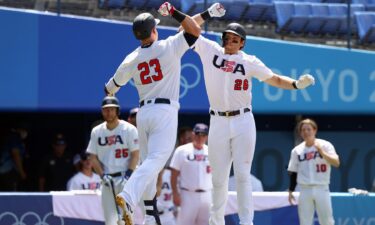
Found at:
(295, 85)
(128, 173)
(177, 15)
(205, 15)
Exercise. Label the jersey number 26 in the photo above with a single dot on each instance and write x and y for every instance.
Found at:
(144, 67)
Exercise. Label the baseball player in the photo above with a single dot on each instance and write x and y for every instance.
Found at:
(85, 179)
(227, 73)
(164, 200)
(114, 152)
(155, 68)
(190, 164)
(310, 167)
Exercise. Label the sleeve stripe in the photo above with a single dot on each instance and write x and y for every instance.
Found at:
(117, 85)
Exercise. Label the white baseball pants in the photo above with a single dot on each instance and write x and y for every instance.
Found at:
(231, 138)
(195, 208)
(311, 197)
(108, 202)
(157, 130)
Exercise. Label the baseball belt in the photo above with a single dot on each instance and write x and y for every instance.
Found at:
(155, 101)
(229, 113)
(196, 190)
(118, 174)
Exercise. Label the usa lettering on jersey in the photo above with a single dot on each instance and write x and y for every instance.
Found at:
(309, 156)
(197, 157)
(228, 66)
(90, 186)
(110, 140)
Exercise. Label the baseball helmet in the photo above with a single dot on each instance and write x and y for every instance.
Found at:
(143, 25)
(110, 101)
(235, 28)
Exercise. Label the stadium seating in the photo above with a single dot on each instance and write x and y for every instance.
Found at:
(369, 4)
(314, 18)
(150, 4)
(320, 15)
(115, 4)
(366, 26)
(138, 4)
(260, 10)
(292, 17)
(235, 9)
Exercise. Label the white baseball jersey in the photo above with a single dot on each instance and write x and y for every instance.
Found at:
(81, 181)
(113, 147)
(194, 167)
(234, 71)
(155, 69)
(165, 200)
(311, 167)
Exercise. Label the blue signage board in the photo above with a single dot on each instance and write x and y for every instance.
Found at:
(61, 63)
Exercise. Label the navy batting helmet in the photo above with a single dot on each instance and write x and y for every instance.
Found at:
(110, 101)
(235, 28)
(143, 25)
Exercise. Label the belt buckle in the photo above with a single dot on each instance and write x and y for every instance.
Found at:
(227, 113)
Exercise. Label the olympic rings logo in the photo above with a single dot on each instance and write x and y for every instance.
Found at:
(20, 221)
(184, 83)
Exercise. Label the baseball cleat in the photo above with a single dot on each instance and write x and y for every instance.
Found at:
(126, 210)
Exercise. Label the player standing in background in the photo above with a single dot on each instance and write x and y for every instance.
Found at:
(310, 168)
(164, 186)
(228, 72)
(12, 153)
(114, 152)
(165, 201)
(190, 164)
(155, 68)
(85, 179)
(132, 117)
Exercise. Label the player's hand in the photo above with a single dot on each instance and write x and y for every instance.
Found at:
(166, 9)
(291, 198)
(106, 180)
(318, 146)
(107, 93)
(216, 10)
(304, 81)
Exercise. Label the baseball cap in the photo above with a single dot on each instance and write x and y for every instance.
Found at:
(133, 111)
(59, 140)
(80, 156)
(143, 24)
(200, 128)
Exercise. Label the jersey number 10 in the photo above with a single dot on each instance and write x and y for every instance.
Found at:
(144, 67)
(321, 168)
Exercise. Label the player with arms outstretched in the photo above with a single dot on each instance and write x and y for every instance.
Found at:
(228, 73)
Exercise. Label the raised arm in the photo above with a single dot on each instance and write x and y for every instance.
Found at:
(189, 24)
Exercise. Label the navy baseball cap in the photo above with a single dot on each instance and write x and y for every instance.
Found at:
(59, 140)
(200, 128)
(133, 111)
